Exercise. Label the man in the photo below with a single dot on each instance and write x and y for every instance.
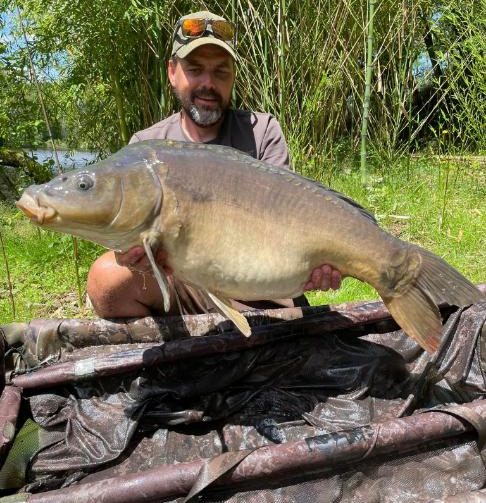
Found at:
(201, 71)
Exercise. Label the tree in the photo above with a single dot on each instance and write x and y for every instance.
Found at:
(103, 70)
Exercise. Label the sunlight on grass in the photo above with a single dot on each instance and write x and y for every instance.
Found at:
(351, 290)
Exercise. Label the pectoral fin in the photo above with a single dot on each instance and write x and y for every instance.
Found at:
(235, 316)
(159, 276)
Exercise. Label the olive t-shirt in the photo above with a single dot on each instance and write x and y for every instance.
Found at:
(257, 134)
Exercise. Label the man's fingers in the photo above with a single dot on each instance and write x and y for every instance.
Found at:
(326, 273)
(130, 257)
(316, 277)
(324, 278)
(336, 279)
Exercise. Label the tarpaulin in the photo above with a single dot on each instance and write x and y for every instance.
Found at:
(307, 411)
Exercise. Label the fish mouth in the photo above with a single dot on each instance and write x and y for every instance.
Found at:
(37, 213)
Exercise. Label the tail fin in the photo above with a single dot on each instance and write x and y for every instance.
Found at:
(416, 309)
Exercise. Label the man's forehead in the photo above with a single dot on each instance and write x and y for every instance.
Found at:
(209, 54)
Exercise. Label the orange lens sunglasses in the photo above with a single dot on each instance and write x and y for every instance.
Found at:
(194, 28)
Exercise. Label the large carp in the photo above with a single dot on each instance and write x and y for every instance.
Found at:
(239, 228)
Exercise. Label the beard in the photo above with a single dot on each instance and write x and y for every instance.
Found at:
(203, 116)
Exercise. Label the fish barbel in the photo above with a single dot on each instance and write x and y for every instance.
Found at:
(235, 227)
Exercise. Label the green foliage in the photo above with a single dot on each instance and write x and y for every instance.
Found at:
(20, 120)
(41, 269)
(112, 54)
(102, 70)
(461, 124)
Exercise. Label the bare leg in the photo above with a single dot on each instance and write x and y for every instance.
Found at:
(119, 292)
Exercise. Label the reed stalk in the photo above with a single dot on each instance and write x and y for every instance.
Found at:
(367, 95)
(9, 281)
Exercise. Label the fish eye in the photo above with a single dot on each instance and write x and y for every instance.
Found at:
(85, 182)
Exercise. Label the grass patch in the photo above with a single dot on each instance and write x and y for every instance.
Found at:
(439, 206)
(42, 270)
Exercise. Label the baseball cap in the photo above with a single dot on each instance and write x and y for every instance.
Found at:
(201, 28)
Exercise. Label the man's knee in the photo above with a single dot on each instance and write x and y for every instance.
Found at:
(102, 275)
(113, 289)
(117, 291)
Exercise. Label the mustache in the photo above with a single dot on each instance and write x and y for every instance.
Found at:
(205, 93)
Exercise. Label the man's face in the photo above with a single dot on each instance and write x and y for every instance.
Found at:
(203, 82)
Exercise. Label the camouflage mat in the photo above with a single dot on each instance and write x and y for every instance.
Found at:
(330, 405)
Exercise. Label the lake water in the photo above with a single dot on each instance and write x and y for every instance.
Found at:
(67, 158)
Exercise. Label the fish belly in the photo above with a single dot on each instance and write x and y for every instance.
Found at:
(256, 256)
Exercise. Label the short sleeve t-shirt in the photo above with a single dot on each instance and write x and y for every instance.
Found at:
(257, 134)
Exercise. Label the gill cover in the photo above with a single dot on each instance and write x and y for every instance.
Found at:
(141, 196)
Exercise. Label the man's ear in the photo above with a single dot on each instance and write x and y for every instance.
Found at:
(171, 68)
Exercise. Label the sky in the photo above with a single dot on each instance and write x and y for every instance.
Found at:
(14, 41)
(6, 25)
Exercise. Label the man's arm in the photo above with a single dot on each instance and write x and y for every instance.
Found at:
(273, 147)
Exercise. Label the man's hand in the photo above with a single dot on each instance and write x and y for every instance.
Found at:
(131, 257)
(136, 259)
(324, 278)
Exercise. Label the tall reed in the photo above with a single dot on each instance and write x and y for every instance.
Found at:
(303, 61)
(7, 273)
(366, 101)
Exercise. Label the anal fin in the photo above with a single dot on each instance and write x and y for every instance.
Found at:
(235, 316)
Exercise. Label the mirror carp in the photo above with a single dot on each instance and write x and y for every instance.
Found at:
(238, 228)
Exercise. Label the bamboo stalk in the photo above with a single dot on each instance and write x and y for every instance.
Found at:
(76, 269)
(444, 200)
(117, 92)
(366, 101)
(282, 54)
(9, 280)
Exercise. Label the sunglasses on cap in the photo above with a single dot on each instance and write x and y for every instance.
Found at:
(195, 28)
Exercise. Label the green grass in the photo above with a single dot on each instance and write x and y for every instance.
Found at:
(42, 270)
(439, 206)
